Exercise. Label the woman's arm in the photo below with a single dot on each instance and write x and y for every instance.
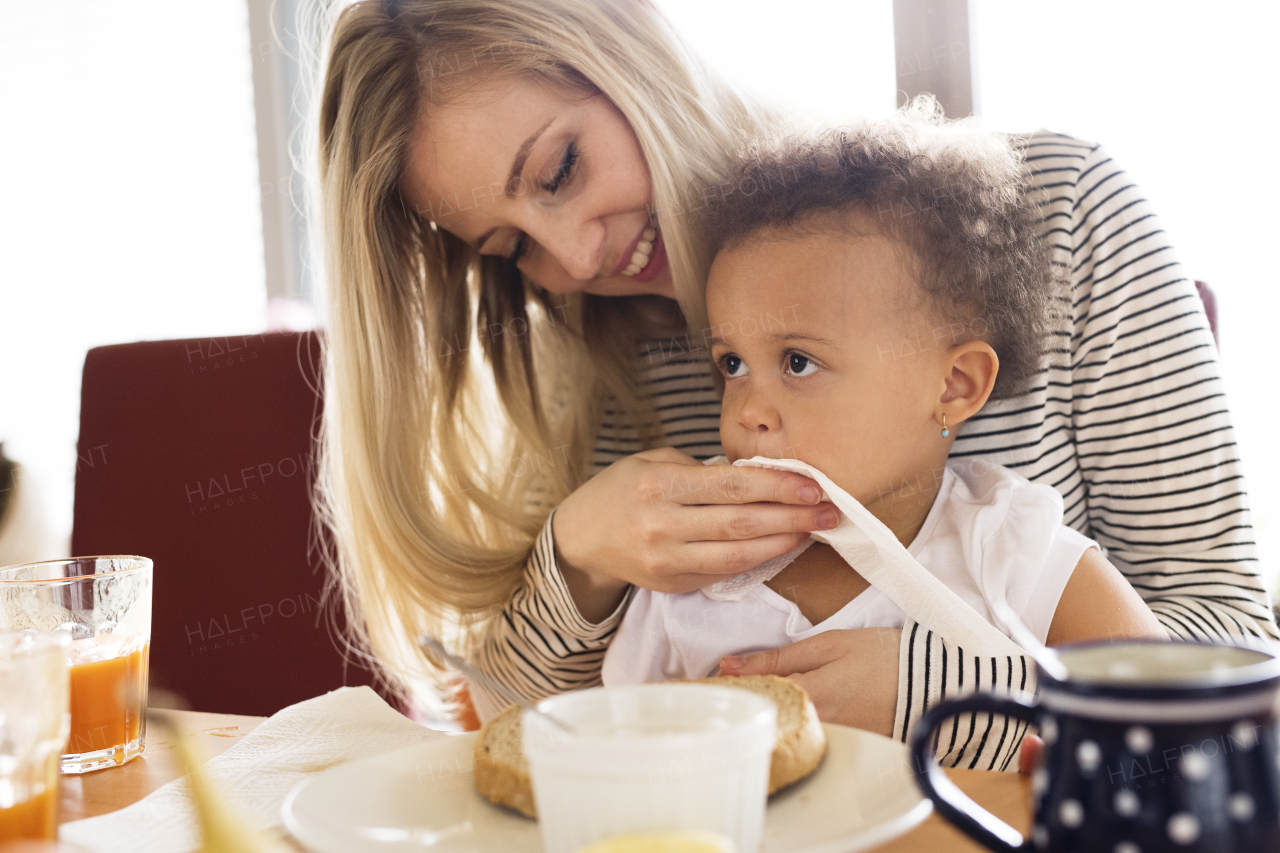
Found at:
(552, 635)
(1137, 434)
(539, 645)
(1130, 425)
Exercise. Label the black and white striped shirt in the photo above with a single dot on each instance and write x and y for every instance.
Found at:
(1131, 426)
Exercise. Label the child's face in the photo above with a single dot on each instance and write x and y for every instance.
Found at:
(829, 357)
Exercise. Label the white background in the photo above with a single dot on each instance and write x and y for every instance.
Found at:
(130, 206)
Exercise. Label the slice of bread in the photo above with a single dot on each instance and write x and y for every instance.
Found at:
(801, 741)
(502, 772)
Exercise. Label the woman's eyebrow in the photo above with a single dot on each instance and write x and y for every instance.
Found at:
(522, 154)
(517, 166)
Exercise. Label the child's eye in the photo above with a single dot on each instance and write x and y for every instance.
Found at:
(733, 366)
(800, 365)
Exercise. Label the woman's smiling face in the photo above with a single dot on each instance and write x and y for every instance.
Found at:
(556, 183)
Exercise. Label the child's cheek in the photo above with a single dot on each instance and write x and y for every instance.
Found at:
(730, 430)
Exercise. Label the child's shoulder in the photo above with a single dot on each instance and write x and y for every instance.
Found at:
(1003, 535)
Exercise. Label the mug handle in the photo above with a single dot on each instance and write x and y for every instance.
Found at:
(952, 803)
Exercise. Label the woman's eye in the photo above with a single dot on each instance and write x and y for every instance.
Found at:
(733, 367)
(564, 171)
(799, 365)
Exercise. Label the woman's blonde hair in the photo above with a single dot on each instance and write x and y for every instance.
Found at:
(437, 473)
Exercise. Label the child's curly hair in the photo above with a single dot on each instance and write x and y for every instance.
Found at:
(957, 196)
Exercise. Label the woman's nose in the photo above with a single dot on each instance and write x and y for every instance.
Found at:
(578, 247)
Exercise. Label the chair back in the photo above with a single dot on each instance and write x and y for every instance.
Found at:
(200, 455)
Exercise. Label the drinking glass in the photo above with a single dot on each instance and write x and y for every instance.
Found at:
(104, 605)
(651, 758)
(34, 723)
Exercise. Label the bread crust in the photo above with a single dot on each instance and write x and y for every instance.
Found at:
(799, 749)
(797, 753)
(501, 781)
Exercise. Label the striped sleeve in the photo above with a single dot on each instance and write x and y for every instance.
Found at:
(931, 670)
(540, 645)
(1163, 491)
(1129, 422)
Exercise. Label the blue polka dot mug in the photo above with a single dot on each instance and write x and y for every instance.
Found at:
(1149, 746)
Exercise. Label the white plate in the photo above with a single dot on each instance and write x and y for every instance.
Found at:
(422, 797)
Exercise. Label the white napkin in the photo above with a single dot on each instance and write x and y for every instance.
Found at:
(256, 773)
(870, 547)
(737, 587)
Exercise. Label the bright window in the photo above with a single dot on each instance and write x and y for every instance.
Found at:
(130, 202)
(829, 58)
(1180, 95)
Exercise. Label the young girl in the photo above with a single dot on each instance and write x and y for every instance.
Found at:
(873, 290)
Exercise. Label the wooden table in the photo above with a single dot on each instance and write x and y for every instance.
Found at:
(1007, 795)
(105, 791)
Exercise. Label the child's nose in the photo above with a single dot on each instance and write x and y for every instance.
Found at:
(759, 415)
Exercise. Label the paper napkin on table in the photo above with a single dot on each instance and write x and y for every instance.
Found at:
(257, 773)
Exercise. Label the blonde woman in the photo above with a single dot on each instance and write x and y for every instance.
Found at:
(518, 391)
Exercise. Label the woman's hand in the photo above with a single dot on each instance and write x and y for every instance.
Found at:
(664, 521)
(851, 675)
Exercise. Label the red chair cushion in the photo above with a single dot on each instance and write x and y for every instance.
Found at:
(198, 454)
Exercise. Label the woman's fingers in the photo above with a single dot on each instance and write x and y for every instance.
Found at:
(1031, 746)
(851, 675)
(663, 521)
(698, 524)
(804, 656)
(687, 484)
(702, 563)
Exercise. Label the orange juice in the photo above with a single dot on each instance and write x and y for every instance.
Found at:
(36, 817)
(107, 701)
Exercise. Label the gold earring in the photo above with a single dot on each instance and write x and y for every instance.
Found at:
(945, 432)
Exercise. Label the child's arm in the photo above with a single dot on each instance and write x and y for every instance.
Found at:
(1099, 604)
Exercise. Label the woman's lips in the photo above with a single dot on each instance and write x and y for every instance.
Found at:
(638, 254)
(641, 251)
(657, 261)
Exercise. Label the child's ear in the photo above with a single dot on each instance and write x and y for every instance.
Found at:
(969, 374)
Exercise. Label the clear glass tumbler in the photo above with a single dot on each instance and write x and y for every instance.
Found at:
(104, 605)
(34, 722)
(651, 758)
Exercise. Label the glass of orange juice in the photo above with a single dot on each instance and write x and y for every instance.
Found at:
(104, 605)
(34, 723)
